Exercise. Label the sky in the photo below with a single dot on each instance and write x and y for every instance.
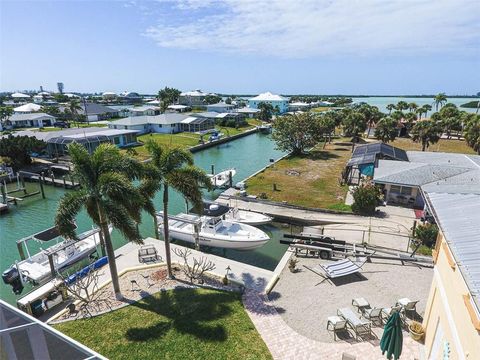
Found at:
(243, 46)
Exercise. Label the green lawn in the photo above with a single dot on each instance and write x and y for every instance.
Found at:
(311, 180)
(181, 324)
(443, 145)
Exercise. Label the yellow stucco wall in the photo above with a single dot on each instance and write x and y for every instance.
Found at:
(446, 312)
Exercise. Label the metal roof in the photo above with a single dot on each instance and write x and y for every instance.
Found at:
(368, 153)
(162, 119)
(31, 116)
(442, 158)
(458, 215)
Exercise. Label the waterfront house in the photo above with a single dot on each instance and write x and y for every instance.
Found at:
(299, 106)
(178, 108)
(168, 123)
(38, 120)
(109, 95)
(269, 98)
(220, 107)
(251, 113)
(452, 315)
(95, 112)
(231, 118)
(193, 98)
(145, 110)
(130, 97)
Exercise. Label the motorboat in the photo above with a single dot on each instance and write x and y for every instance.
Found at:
(214, 231)
(265, 128)
(222, 178)
(40, 267)
(235, 214)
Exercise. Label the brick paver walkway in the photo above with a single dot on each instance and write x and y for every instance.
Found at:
(284, 343)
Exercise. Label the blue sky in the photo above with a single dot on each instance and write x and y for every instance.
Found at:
(242, 46)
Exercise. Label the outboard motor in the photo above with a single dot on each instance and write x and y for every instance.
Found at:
(12, 277)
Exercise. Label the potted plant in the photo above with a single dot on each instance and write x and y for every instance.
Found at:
(416, 330)
(292, 264)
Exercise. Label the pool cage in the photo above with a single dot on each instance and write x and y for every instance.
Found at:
(58, 146)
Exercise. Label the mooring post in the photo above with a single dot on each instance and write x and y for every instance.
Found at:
(230, 181)
(53, 178)
(41, 189)
(64, 182)
(22, 181)
(43, 176)
(196, 236)
(52, 265)
(4, 194)
(274, 187)
(213, 169)
(71, 180)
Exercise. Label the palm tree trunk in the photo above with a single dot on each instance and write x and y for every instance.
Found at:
(155, 224)
(424, 145)
(102, 242)
(165, 231)
(111, 255)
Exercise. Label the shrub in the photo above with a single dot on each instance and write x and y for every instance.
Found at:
(426, 234)
(366, 197)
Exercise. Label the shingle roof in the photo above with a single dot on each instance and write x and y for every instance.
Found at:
(163, 119)
(458, 215)
(442, 158)
(31, 116)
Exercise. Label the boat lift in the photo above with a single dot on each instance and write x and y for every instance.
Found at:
(326, 247)
(196, 226)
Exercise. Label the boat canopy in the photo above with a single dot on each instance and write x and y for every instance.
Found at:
(212, 209)
(45, 235)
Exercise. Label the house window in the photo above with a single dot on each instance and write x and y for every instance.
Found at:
(395, 189)
(406, 191)
(116, 140)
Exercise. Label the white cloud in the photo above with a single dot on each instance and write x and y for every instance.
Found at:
(301, 29)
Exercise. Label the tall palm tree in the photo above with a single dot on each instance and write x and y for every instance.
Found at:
(412, 107)
(176, 170)
(108, 194)
(472, 132)
(386, 129)
(402, 105)
(391, 107)
(439, 100)
(427, 132)
(419, 112)
(73, 109)
(426, 109)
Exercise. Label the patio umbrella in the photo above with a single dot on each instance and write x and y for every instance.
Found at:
(392, 338)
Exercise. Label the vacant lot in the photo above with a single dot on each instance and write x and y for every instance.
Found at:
(444, 145)
(311, 180)
(176, 324)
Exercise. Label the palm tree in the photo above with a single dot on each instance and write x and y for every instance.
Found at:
(402, 105)
(386, 129)
(73, 108)
(472, 132)
(419, 112)
(412, 107)
(427, 132)
(176, 170)
(108, 195)
(439, 99)
(391, 107)
(426, 108)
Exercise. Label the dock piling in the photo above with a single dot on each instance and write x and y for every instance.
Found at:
(4, 194)
(213, 169)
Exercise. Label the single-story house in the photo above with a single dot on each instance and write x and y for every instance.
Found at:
(365, 159)
(144, 110)
(95, 112)
(250, 112)
(30, 120)
(220, 107)
(239, 118)
(269, 98)
(167, 123)
(178, 108)
(130, 97)
(299, 106)
(406, 183)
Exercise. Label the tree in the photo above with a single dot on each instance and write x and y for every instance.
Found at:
(73, 109)
(412, 107)
(439, 100)
(450, 119)
(365, 198)
(419, 112)
(426, 109)
(371, 113)
(61, 98)
(228, 100)
(298, 132)
(328, 122)
(212, 99)
(19, 148)
(266, 112)
(472, 131)
(426, 234)
(51, 110)
(5, 113)
(409, 119)
(168, 96)
(426, 132)
(402, 105)
(354, 124)
(386, 130)
(391, 107)
(176, 170)
(108, 194)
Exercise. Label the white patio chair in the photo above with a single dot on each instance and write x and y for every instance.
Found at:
(408, 305)
(374, 315)
(335, 324)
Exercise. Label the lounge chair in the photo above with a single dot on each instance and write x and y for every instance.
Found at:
(148, 253)
(358, 326)
(342, 268)
(335, 324)
(386, 312)
(408, 305)
(374, 315)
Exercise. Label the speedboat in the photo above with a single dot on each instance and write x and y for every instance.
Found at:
(265, 128)
(235, 214)
(222, 178)
(41, 267)
(214, 231)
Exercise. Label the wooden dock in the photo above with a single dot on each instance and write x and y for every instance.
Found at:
(68, 184)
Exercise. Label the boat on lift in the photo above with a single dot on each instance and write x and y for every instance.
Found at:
(222, 179)
(38, 268)
(235, 214)
(214, 231)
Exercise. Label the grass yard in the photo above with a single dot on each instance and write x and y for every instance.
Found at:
(443, 145)
(311, 180)
(181, 324)
(320, 109)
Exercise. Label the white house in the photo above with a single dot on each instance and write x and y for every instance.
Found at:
(269, 98)
(144, 110)
(251, 113)
(193, 98)
(220, 107)
(27, 108)
(30, 120)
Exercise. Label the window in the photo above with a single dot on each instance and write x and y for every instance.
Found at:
(116, 140)
(395, 189)
(406, 191)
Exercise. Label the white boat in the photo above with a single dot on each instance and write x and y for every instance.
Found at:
(37, 268)
(214, 232)
(265, 128)
(235, 214)
(222, 178)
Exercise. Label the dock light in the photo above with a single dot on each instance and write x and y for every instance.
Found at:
(228, 270)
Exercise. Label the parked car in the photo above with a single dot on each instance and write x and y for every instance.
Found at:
(61, 124)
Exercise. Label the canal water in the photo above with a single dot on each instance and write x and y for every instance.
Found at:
(247, 155)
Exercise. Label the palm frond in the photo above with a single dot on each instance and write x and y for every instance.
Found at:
(188, 181)
(120, 219)
(69, 206)
(175, 158)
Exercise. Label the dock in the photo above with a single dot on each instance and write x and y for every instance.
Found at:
(49, 180)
